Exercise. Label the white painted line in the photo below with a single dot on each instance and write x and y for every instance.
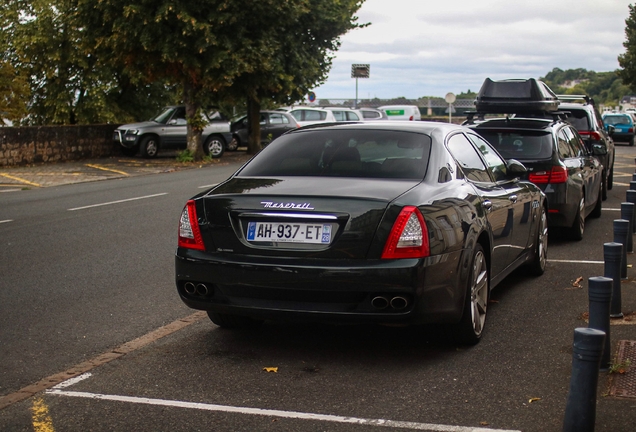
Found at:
(621, 184)
(611, 209)
(72, 381)
(10, 190)
(117, 202)
(276, 413)
(5, 221)
(208, 186)
(576, 261)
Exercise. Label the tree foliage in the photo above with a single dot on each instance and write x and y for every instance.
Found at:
(605, 87)
(220, 49)
(627, 61)
(67, 82)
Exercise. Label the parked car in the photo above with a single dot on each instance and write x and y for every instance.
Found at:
(587, 120)
(623, 125)
(168, 130)
(402, 112)
(371, 114)
(552, 150)
(273, 124)
(345, 114)
(307, 115)
(399, 222)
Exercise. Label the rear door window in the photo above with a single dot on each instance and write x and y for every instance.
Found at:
(468, 159)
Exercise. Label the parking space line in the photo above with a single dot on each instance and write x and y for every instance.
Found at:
(107, 169)
(5, 221)
(21, 180)
(42, 421)
(575, 261)
(82, 368)
(117, 202)
(275, 413)
(207, 186)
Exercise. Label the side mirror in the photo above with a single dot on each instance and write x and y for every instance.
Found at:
(611, 129)
(599, 149)
(515, 167)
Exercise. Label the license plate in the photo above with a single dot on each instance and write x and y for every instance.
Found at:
(289, 232)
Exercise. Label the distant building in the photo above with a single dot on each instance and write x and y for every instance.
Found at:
(628, 102)
(573, 83)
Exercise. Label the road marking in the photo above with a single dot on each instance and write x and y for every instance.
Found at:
(10, 190)
(135, 344)
(42, 421)
(275, 413)
(21, 180)
(117, 202)
(611, 209)
(5, 221)
(107, 169)
(576, 261)
(621, 184)
(208, 186)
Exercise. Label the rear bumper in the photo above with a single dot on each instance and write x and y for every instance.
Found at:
(335, 291)
(561, 210)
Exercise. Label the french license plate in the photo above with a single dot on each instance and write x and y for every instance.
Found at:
(289, 232)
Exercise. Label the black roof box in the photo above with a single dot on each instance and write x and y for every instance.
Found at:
(516, 96)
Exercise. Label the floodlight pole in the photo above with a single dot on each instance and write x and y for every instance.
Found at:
(355, 104)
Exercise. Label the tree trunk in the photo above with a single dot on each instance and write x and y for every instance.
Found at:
(254, 119)
(193, 116)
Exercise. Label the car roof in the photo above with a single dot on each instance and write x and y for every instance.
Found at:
(538, 124)
(424, 127)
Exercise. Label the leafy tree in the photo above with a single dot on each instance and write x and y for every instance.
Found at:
(68, 83)
(217, 50)
(627, 61)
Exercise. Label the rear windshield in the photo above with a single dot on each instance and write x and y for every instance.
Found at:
(578, 119)
(617, 120)
(520, 145)
(344, 153)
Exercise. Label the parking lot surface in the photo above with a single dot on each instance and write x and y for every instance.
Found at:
(191, 375)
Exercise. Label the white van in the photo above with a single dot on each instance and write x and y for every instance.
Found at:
(402, 112)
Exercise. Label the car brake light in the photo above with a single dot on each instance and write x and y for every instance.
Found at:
(557, 174)
(630, 130)
(411, 118)
(189, 232)
(408, 237)
(592, 134)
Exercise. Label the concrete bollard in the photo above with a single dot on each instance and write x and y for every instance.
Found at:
(627, 213)
(621, 227)
(631, 197)
(580, 410)
(599, 295)
(613, 254)
(632, 185)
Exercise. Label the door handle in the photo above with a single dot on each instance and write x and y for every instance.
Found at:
(487, 205)
(513, 198)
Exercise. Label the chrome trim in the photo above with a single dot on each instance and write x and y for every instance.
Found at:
(291, 215)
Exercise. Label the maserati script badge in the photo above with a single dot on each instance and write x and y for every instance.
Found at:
(280, 205)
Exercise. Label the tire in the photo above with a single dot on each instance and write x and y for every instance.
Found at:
(610, 178)
(470, 329)
(604, 181)
(578, 226)
(149, 147)
(214, 146)
(229, 321)
(598, 208)
(233, 144)
(631, 141)
(537, 266)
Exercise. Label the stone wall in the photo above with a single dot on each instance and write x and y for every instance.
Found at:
(39, 144)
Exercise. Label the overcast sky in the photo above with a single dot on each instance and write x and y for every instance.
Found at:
(431, 47)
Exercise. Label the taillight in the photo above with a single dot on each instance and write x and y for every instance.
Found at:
(411, 118)
(557, 174)
(408, 237)
(189, 233)
(594, 135)
(630, 130)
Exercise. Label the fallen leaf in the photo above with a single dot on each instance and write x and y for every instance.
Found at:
(484, 423)
(533, 400)
(270, 369)
(577, 282)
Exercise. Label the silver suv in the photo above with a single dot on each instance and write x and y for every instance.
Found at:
(169, 130)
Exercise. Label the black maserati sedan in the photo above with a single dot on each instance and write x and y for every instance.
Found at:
(384, 222)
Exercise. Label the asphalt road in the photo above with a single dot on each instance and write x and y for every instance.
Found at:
(88, 267)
